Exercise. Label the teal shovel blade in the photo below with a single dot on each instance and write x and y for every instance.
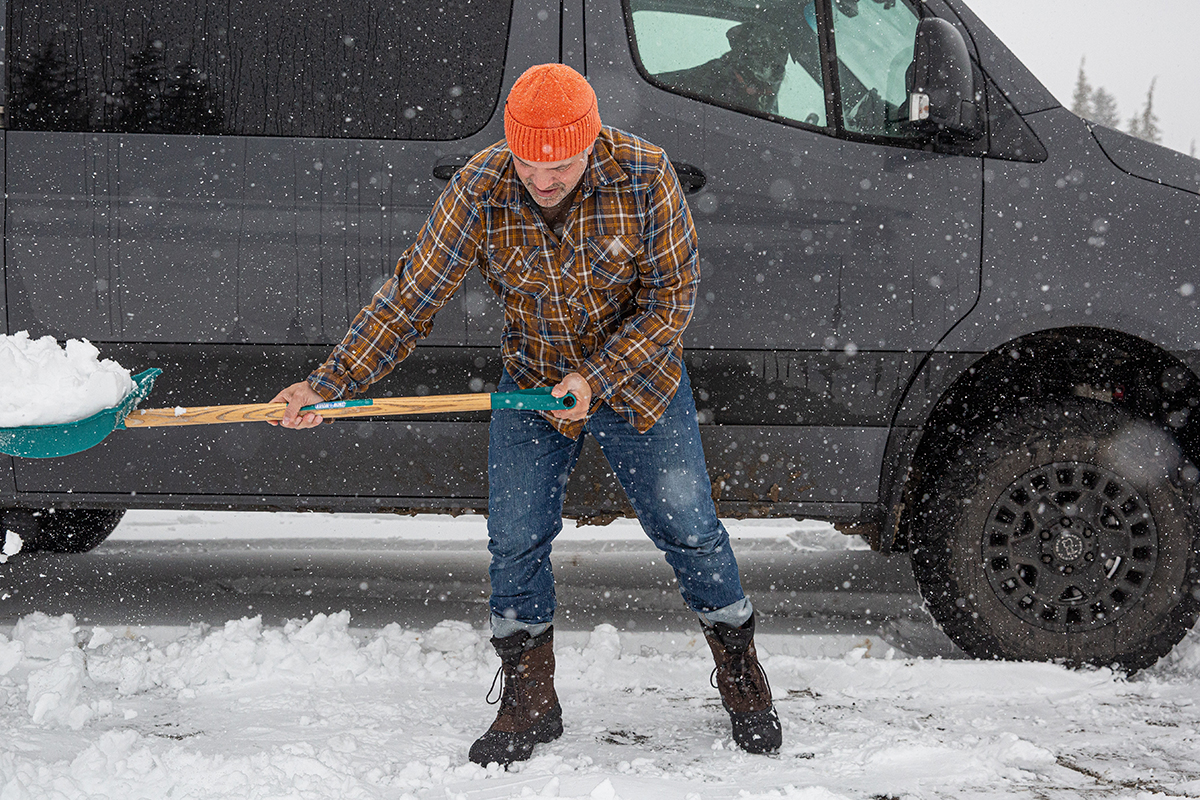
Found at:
(54, 441)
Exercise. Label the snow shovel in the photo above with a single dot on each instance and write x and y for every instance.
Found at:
(52, 441)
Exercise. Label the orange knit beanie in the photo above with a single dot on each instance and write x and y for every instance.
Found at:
(550, 114)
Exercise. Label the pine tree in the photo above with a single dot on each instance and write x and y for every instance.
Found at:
(138, 103)
(46, 94)
(1104, 108)
(1081, 102)
(1094, 103)
(1135, 126)
(1145, 125)
(189, 103)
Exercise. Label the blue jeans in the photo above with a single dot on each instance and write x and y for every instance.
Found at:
(664, 476)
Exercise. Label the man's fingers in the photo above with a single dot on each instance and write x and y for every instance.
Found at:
(297, 396)
(578, 386)
(293, 410)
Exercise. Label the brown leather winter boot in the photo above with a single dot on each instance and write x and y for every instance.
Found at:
(529, 710)
(743, 685)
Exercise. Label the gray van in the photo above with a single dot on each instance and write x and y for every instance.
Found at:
(938, 309)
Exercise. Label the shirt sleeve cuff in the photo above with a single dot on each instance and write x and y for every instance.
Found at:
(601, 377)
(329, 381)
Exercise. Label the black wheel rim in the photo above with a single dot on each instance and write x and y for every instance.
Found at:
(1070, 547)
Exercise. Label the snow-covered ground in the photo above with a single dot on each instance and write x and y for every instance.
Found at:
(147, 525)
(321, 709)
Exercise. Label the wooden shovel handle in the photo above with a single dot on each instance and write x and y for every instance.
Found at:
(261, 412)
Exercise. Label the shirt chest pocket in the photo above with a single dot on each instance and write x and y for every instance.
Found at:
(612, 260)
(518, 270)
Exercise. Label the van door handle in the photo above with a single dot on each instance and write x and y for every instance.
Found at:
(691, 178)
(446, 166)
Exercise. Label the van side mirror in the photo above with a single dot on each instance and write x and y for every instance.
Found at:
(941, 82)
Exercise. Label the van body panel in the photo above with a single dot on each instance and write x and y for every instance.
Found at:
(788, 387)
(1117, 252)
(117, 236)
(1146, 160)
(284, 239)
(405, 459)
(146, 238)
(800, 231)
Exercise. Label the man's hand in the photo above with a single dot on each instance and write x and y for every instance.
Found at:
(296, 396)
(577, 385)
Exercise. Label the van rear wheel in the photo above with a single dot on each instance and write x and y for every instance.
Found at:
(1067, 531)
(61, 530)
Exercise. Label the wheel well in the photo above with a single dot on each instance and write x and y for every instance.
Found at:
(1091, 362)
(60, 530)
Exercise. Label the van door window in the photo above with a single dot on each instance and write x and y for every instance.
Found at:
(874, 41)
(375, 69)
(761, 59)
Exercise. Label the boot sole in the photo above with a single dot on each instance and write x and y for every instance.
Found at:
(504, 748)
(757, 732)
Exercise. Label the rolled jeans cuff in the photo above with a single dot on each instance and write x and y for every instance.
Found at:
(734, 615)
(503, 627)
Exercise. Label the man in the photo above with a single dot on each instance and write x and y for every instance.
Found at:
(747, 76)
(583, 233)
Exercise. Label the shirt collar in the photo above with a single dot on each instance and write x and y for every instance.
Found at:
(602, 170)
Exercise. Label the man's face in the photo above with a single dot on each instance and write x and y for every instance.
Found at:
(550, 181)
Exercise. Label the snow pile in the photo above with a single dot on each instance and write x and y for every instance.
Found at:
(318, 651)
(45, 637)
(1183, 661)
(43, 384)
(316, 709)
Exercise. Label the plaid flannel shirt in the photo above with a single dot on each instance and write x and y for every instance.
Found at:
(609, 301)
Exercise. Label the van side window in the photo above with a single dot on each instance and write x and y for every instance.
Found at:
(379, 69)
(874, 42)
(748, 58)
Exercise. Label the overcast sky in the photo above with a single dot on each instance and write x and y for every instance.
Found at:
(1126, 44)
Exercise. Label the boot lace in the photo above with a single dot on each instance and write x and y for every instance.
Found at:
(743, 673)
(510, 687)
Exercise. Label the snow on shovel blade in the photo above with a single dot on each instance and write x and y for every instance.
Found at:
(53, 441)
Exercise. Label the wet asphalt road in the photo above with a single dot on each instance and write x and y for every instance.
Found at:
(418, 584)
